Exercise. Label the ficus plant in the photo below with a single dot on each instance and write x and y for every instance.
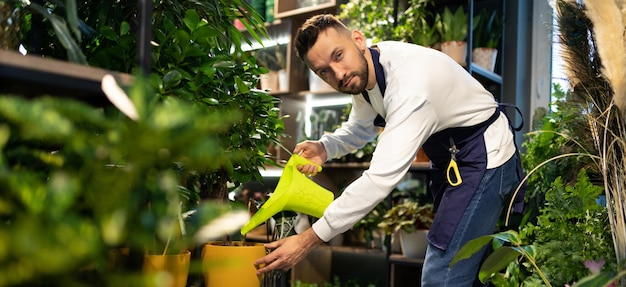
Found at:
(78, 181)
(202, 126)
(196, 56)
(189, 67)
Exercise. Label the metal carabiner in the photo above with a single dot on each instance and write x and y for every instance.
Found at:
(453, 167)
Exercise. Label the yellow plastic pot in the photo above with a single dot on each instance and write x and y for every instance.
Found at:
(231, 265)
(176, 266)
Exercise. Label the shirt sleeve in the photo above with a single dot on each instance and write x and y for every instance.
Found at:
(395, 151)
(357, 131)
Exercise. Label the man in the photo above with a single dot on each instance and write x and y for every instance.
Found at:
(423, 99)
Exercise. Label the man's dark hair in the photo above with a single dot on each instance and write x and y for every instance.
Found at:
(306, 36)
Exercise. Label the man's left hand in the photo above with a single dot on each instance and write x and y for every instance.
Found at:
(287, 252)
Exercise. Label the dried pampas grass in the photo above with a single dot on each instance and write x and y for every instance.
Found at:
(608, 19)
(594, 48)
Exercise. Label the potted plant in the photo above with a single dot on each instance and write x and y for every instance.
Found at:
(109, 181)
(452, 28)
(371, 17)
(411, 221)
(426, 34)
(274, 78)
(487, 34)
(226, 80)
(416, 24)
(182, 72)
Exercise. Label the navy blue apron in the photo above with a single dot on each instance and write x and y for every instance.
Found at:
(471, 160)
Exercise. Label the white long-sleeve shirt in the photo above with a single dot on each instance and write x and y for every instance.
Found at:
(426, 92)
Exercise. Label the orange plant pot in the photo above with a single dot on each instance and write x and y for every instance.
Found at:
(231, 265)
(176, 266)
(456, 50)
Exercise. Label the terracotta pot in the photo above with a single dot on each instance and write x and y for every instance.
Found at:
(485, 57)
(414, 244)
(421, 156)
(456, 50)
(231, 265)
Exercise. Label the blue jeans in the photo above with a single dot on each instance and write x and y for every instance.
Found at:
(480, 218)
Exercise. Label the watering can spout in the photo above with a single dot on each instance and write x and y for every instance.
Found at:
(294, 192)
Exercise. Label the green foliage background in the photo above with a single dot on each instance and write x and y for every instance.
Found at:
(77, 179)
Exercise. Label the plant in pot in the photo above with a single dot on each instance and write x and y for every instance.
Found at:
(372, 17)
(367, 232)
(272, 59)
(416, 24)
(224, 80)
(162, 136)
(192, 62)
(411, 221)
(426, 34)
(452, 28)
(487, 34)
(79, 181)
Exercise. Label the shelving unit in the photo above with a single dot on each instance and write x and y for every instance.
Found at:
(493, 81)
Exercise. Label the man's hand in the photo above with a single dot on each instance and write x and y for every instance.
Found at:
(287, 252)
(313, 151)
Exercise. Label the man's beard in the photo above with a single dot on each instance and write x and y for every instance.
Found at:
(361, 73)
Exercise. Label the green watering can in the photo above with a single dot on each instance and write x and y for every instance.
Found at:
(294, 192)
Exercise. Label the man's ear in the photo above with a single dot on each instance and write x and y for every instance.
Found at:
(359, 40)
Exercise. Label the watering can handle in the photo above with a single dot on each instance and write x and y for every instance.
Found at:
(299, 160)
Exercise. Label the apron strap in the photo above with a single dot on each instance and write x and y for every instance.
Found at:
(380, 80)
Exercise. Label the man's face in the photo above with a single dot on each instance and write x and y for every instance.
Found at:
(339, 62)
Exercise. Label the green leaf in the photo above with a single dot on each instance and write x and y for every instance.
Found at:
(601, 279)
(470, 248)
(496, 261)
(182, 38)
(241, 86)
(72, 18)
(108, 33)
(172, 79)
(208, 70)
(191, 19)
(193, 51)
(124, 28)
(211, 101)
(510, 236)
(205, 32)
(59, 25)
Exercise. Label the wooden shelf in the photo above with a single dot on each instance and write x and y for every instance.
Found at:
(33, 76)
(305, 12)
(323, 92)
(401, 259)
